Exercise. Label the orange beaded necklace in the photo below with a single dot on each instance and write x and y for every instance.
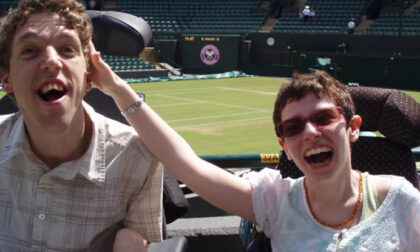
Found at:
(346, 221)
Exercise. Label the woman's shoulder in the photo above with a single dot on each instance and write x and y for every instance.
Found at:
(384, 184)
(268, 184)
(269, 177)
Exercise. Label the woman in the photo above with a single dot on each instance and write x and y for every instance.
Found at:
(327, 209)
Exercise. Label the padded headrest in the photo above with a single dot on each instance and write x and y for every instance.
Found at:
(104, 105)
(389, 111)
(118, 33)
(7, 106)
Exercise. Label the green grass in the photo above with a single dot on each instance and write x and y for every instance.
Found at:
(415, 95)
(220, 116)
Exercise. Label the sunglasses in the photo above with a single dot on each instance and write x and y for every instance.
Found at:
(324, 117)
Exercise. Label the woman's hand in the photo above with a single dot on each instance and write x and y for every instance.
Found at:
(109, 82)
(102, 75)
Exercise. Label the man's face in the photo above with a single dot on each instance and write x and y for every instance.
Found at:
(47, 73)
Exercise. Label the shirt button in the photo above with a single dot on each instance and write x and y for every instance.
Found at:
(41, 216)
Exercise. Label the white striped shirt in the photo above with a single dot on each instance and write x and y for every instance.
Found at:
(81, 204)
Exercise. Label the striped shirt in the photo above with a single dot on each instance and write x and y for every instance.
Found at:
(81, 204)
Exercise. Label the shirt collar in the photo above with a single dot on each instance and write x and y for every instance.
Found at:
(91, 165)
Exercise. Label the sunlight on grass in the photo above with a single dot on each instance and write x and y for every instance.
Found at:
(220, 116)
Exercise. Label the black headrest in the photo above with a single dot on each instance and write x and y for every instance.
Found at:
(118, 33)
(7, 106)
(389, 111)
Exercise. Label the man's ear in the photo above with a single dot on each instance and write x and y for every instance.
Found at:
(7, 87)
(354, 127)
(283, 145)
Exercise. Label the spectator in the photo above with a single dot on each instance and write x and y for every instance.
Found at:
(350, 26)
(70, 179)
(93, 5)
(307, 13)
(342, 48)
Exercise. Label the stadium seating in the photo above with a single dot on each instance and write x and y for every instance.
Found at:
(389, 24)
(124, 63)
(331, 17)
(233, 16)
(197, 16)
(5, 5)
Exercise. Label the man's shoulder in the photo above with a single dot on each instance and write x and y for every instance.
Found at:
(4, 117)
(117, 135)
(8, 120)
(7, 126)
(115, 132)
(111, 126)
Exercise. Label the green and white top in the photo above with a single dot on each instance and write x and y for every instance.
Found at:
(282, 213)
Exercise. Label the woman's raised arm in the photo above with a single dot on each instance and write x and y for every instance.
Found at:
(219, 187)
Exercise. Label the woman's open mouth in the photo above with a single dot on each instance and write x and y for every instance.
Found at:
(319, 155)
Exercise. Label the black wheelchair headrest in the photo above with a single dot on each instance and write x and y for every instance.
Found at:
(389, 111)
(119, 33)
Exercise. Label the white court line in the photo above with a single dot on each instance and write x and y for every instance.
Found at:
(221, 124)
(182, 91)
(248, 91)
(211, 117)
(176, 104)
(214, 103)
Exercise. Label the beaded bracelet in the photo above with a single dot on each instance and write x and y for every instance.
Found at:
(133, 107)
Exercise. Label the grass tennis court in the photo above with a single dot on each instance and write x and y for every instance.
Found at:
(220, 116)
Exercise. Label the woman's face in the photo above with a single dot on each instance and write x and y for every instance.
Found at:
(316, 138)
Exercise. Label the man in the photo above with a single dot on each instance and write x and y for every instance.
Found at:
(70, 179)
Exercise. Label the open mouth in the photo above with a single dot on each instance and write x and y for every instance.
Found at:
(51, 92)
(319, 155)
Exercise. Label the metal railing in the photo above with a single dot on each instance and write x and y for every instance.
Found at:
(259, 160)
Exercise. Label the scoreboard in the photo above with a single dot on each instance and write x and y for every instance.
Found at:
(210, 53)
